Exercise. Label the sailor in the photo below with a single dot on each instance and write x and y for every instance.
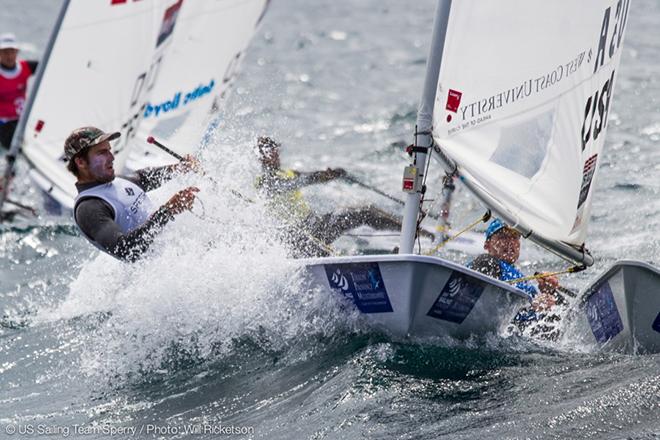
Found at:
(14, 74)
(114, 212)
(307, 233)
(502, 247)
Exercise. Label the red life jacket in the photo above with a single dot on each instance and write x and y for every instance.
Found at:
(12, 91)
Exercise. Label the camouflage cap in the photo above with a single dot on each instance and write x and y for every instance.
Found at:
(85, 137)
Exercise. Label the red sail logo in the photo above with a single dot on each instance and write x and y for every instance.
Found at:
(169, 20)
(453, 100)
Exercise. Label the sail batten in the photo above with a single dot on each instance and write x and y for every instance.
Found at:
(522, 103)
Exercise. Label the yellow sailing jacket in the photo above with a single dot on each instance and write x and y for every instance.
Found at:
(285, 199)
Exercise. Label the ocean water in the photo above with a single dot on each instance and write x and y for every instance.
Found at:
(216, 334)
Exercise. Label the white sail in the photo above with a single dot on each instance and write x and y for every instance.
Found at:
(205, 51)
(93, 76)
(522, 102)
(105, 66)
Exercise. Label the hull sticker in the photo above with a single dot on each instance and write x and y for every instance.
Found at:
(361, 283)
(603, 314)
(457, 298)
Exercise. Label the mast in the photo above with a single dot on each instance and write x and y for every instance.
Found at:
(423, 136)
(19, 134)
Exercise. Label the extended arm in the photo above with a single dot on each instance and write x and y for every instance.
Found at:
(275, 184)
(313, 177)
(151, 178)
(96, 219)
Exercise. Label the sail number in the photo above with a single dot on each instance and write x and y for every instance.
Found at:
(596, 108)
(620, 18)
(596, 111)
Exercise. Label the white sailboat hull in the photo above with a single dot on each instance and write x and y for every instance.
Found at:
(410, 295)
(620, 311)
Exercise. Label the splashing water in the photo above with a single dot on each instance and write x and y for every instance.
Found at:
(214, 276)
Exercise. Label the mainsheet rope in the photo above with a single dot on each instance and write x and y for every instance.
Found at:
(483, 219)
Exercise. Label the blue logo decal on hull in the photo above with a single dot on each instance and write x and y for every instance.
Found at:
(360, 283)
(456, 299)
(603, 315)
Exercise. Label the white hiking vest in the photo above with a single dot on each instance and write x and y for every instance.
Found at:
(130, 204)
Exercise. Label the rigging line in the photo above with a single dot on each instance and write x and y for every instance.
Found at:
(429, 210)
(540, 275)
(483, 219)
(426, 170)
(153, 141)
(421, 214)
(352, 179)
(30, 209)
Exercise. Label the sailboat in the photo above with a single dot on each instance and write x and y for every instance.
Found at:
(620, 310)
(140, 67)
(515, 105)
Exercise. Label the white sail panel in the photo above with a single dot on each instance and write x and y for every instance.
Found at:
(522, 103)
(207, 46)
(102, 56)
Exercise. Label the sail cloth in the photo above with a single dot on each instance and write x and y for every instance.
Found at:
(104, 69)
(522, 102)
(207, 46)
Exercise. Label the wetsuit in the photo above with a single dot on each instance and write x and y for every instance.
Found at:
(13, 88)
(503, 271)
(121, 225)
(282, 187)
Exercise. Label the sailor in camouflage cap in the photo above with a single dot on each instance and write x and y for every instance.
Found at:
(114, 212)
(78, 145)
(85, 137)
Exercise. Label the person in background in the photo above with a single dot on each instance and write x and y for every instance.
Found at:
(307, 233)
(14, 74)
(114, 212)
